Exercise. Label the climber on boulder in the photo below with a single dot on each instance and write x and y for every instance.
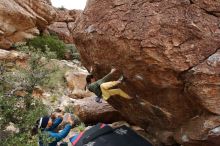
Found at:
(103, 88)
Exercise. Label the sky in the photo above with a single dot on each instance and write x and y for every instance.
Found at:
(70, 4)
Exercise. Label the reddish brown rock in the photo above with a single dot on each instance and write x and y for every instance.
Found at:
(62, 31)
(203, 83)
(211, 6)
(64, 24)
(76, 79)
(21, 19)
(13, 56)
(164, 48)
(67, 15)
(191, 135)
(89, 111)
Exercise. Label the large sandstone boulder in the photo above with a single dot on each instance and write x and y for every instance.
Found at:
(85, 106)
(13, 56)
(76, 82)
(64, 24)
(22, 19)
(168, 50)
(89, 111)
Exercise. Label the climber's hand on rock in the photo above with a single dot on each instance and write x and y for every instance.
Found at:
(53, 116)
(60, 115)
(113, 70)
(57, 115)
(91, 69)
(70, 121)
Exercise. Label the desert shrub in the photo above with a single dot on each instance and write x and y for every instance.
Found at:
(23, 111)
(69, 109)
(51, 42)
(13, 110)
(61, 8)
(81, 127)
(73, 50)
(53, 98)
(56, 80)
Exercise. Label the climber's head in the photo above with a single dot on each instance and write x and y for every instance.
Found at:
(42, 123)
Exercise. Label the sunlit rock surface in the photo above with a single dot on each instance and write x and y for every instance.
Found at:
(22, 19)
(64, 24)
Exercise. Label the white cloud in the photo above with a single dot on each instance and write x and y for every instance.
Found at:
(69, 4)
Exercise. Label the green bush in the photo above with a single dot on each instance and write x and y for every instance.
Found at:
(22, 111)
(62, 8)
(12, 110)
(51, 42)
(81, 127)
(73, 50)
(53, 98)
(56, 80)
(19, 140)
(69, 109)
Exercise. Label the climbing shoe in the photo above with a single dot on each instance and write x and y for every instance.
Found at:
(98, 99)
(121, 79)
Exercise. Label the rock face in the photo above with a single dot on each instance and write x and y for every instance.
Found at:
(75, 80)
(64, 24)
(169, 52)
(89, 111)
(13, 56)
(76, 84)
(21, 19)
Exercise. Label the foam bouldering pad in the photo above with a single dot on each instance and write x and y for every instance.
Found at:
(100, 135)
